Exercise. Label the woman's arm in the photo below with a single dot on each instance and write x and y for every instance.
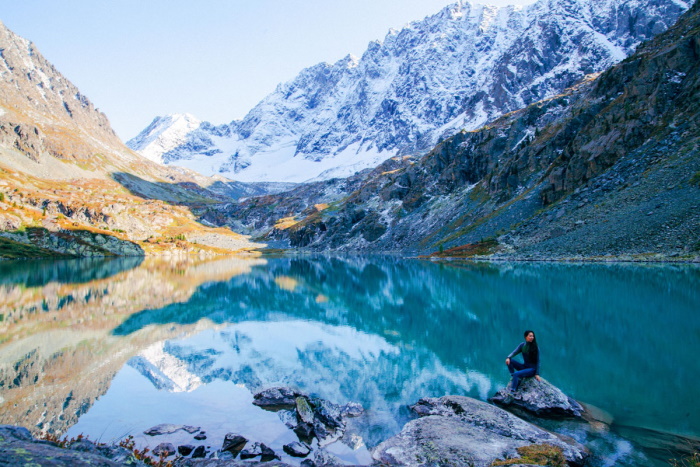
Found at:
(517, 350)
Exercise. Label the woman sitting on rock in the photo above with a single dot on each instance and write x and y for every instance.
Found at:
(531, 358)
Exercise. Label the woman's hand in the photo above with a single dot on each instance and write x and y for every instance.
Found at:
(537, 377)
(507, 361)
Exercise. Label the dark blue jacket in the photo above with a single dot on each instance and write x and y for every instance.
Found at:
(531, 359)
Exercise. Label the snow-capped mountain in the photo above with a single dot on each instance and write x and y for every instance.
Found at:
(458, 69)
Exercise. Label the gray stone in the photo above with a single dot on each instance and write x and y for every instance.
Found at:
(199, 452)
(259, 449)
(276, 398)
(185, 449)
(164, 450)
(168, 428)
(329, 414)
(297, 449)
(541, 398)
(254, 450)
(233, 443)
(304, 431)
(457, 430)
(352, 409)
(268, 455)
(326, 459)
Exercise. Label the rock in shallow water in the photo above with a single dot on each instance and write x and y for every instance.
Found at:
(259, 449)
(457, 430)
(200, 452)
(297, 449)
(276, 398)
(233, 443)
(185, 449)
(168, 428)
(164, 450)
(541, 398)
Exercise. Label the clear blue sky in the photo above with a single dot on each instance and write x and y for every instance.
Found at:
(215, 59)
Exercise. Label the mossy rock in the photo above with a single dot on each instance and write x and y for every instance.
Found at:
(536, 454)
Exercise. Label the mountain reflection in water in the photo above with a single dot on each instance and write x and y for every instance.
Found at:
(57, 350)
(381, 331)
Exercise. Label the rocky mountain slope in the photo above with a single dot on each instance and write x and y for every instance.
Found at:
(458, 69)
(68, 185)
(609, 168)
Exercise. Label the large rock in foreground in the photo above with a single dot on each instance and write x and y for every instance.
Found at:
(541, 398)
(457, 430)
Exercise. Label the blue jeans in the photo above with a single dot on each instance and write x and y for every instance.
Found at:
(519, 371)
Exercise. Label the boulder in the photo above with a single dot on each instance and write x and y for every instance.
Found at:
(233, 443)
(268, 455)
(352, 409)
(458, 430)
(276, 398)
(304, 431)
(328, 423)
(185, 449)
(259, 449)
(326, 459)
(329, 414)
(164, 450)
(200, 452)
(541, 398)
(297, 449)
(252, 451)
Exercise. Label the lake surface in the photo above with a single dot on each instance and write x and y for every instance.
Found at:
(110, 348)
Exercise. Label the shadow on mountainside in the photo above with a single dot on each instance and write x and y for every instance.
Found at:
(188, 193)
(177, 193)
(39, 242)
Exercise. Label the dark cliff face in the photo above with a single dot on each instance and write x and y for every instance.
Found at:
(609, 167)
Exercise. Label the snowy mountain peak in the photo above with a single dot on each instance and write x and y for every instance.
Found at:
(457, 69)
(163, 135)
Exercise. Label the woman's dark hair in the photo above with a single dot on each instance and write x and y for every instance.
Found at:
(533, 345)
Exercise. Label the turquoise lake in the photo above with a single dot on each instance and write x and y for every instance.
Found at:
(110, 348)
